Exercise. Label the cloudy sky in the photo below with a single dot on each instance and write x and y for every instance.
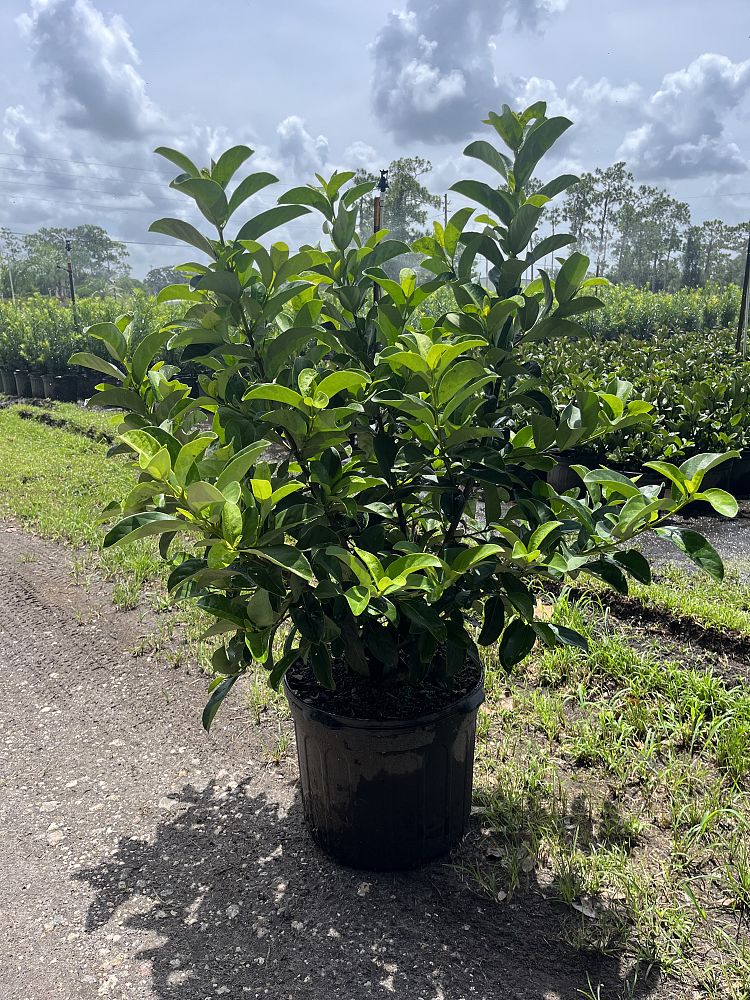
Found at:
(89, 87)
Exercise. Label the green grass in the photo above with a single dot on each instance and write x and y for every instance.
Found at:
(724, 605)
(56, 482)
(616, 784)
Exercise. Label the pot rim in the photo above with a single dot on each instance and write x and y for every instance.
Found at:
(461, 706)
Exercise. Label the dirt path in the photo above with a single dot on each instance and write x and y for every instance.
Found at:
(141, 859)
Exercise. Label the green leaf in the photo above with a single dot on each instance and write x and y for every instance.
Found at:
(201, 494)
(558, 185)
(178, 293)
(695, 547)
(145, 353)
(564, 636)
(281, 666)
(179, 159)
(635, 563)
(414, 562)
(496, 201)
(208, 196)
(358, 598)
(269, 220)
(721, 501)
(344, 227)
(487, 153)
(308, 196)
(308, 616)
(277, 394)
(247, 188)
(190, 453)
(235, 470)
(143, 443)
(96, 364)
(551, 243)
(468, 558)
(142, 525)
(535, 145)
(214, 702)
(695, 468)
(494, 620)
(288, 557)
(517, 642)
(320, 660)
(229, 163)
(183, 231)
(338, 381)
(518, 594)
(112, 338)
(122, 399)
(571, 276)
(357, 192)
(610, 573)
(522, 227)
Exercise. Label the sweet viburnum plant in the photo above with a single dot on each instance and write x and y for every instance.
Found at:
(371, 494)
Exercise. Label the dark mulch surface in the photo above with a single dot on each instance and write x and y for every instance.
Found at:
(143, 859)
(392, 699)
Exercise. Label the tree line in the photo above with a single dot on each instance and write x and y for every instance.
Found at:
(36, 263)
(636, 234)
(640, 234)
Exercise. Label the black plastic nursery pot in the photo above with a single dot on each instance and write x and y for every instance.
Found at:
(7, 382)
(390, 795)
(63, 388)
(86, 386)
(23, 385)
(191, 381)
(36, 380)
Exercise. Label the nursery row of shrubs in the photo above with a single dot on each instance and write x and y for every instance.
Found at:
(38, 336)
(639, 314)
(698, 387)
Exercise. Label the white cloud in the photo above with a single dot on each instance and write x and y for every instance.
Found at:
(297, 147)
(88, 68)
(434, 73)
(685, 132)
(360, 155)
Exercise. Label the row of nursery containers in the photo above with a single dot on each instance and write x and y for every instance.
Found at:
(42, 385)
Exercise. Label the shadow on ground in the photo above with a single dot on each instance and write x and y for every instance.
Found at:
(230, 898)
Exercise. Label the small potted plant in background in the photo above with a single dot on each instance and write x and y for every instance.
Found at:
(59, 382)
(34, 348)
(8, 358)
(368, 511)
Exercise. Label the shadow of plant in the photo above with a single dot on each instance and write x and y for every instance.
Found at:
(538, 840)
(231, 898)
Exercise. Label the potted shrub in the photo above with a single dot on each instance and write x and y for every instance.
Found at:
(10, 350)
(34, 352)
(368, 508)
(59, 382)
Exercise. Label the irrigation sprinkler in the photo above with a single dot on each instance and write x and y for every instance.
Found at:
(377, 207)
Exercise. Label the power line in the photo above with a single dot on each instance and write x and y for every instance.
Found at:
(25, 171)
(67, 187)
(13, 196)
(140, 243)
(85, 163)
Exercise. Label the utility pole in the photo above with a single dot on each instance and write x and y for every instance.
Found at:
(445, 208)
(377, 206)
(741, 344)
(71, 281)
(6, 261)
